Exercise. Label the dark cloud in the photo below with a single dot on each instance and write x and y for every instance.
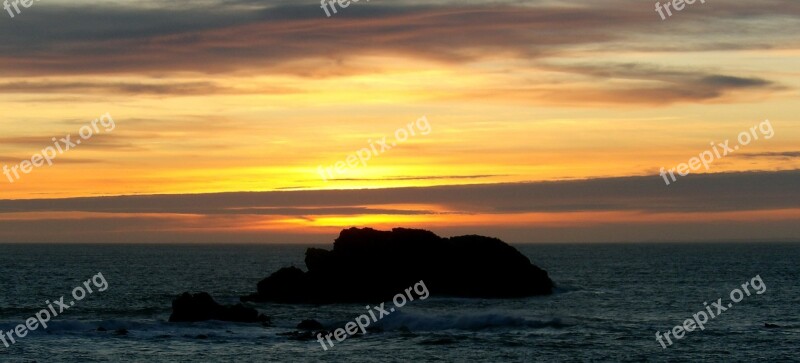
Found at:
(694, 193)
(212, 37)
(734, 82)
(231, 217)
(129, 88)
(244, 37)
(648, 85)
(774, 155)
(441, 177)
(84, 87)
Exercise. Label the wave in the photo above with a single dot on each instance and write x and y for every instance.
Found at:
(68, 326)
(153, 330)
(468, 321)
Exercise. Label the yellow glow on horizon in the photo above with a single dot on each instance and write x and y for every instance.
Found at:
(491, 122)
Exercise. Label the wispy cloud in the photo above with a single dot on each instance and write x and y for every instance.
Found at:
(772, 154)
(130, 88)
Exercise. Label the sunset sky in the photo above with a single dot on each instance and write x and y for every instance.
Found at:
(549, 120)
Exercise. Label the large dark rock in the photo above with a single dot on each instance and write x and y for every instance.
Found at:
(202, 307)
(367, 265)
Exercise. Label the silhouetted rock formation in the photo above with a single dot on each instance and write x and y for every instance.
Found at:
(202, 307)
(367, 265)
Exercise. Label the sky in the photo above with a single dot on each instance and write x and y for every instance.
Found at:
(223, 121)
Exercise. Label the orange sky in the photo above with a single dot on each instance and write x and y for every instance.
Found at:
(242, 97)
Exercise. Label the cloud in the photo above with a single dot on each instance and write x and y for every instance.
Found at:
(636, 83)
(105, 141)
(773, 155)
(734, 82)
(418, 178)
(8, 160)
(695, 193)
(129, 88)
(252, 38)
(753, 205)
(216, 37)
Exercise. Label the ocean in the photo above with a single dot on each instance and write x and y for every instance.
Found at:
(610, 301)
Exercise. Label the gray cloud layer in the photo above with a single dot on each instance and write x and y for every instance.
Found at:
(244, 37)
(695, 193)
(228, 36)
(220, 218)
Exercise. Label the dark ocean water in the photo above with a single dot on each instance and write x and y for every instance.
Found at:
(611, 300)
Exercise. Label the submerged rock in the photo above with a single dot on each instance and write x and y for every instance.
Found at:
(299, 335)
(310, 324)
(202, 307)
(367, 265)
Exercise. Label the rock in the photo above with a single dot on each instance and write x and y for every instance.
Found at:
(771, 326)
(121, 332)
(201, 336)
(318, 259)
(297, 335)
(367, 265)
(284, 285)
(202, 307)
(310, 325)
(100, 328)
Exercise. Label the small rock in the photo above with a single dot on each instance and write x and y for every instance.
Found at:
(310, 324)
(296, 335)
(202, 307)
